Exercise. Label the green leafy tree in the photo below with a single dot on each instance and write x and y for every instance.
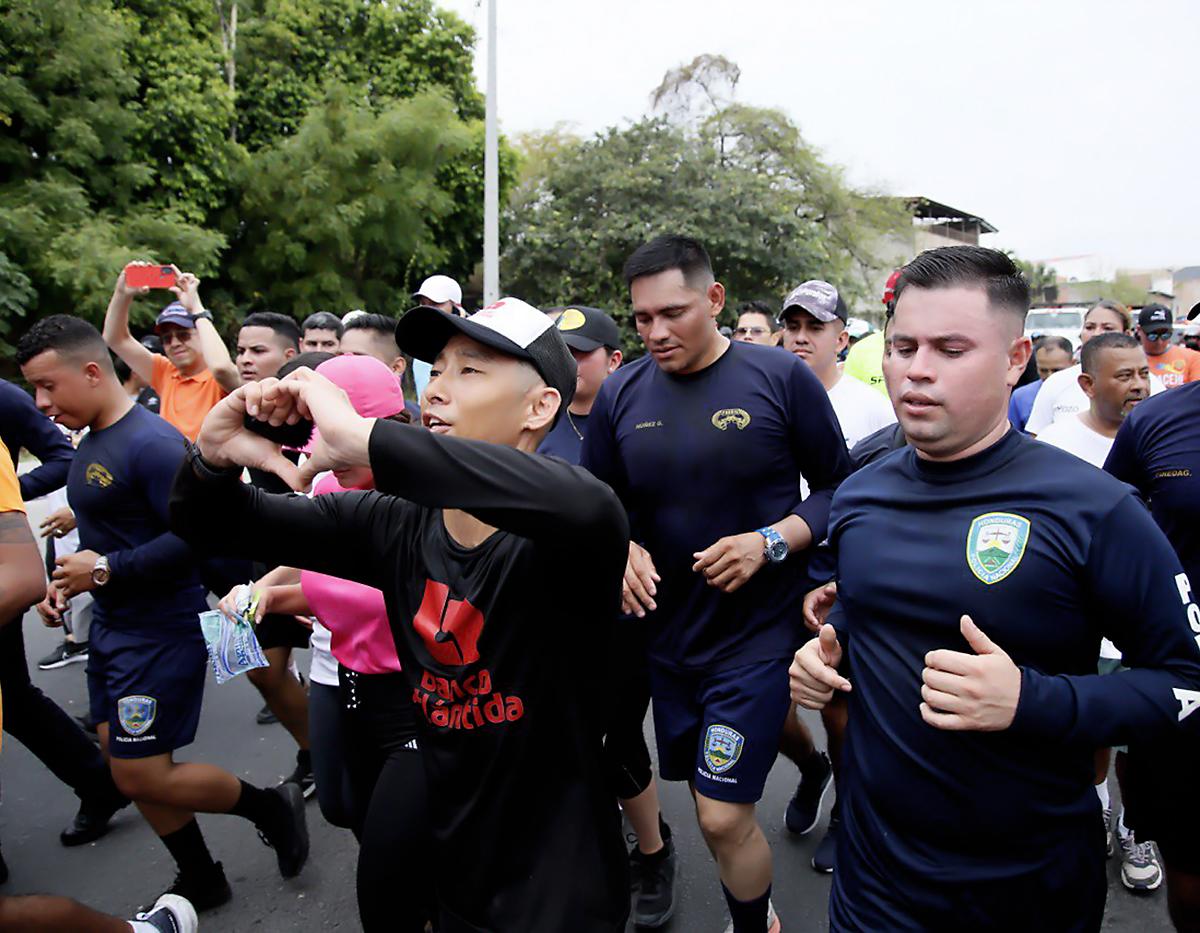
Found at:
(340, 214)
(75, 171)
(740, 179)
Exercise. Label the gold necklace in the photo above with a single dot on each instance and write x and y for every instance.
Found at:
(571, 421)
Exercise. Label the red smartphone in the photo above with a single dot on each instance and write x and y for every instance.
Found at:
(149, 276)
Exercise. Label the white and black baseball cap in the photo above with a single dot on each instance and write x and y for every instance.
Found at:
(820, 299)
(511, 326)
(438, 289)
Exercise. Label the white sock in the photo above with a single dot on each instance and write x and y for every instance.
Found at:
(1122, 831)
(141, 926)
(1102, 793)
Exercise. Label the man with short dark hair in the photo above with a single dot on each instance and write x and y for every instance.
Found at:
(374, 335)
(321, 332)
(756, 324)
(465, 523)
(1051, 355)
(990, 726)
(266, 340)
(147, 660)
(674, 433)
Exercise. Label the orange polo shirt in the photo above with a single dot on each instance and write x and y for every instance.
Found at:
(184, 400)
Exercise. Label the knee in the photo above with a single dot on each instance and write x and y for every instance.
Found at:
(132, 779)
(725, 825)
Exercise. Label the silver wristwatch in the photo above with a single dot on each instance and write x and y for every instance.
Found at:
(100, 572)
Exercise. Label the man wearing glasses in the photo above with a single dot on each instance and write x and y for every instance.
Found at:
(1174, 365)
(756, 324)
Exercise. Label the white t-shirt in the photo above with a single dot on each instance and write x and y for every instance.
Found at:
(860, 410)
(1075, 437)
(323, 666)
(1060, 397)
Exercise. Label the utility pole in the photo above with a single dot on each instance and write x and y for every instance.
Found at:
(491, 177)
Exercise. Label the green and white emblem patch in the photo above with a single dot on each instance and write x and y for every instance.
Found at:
(995, 545)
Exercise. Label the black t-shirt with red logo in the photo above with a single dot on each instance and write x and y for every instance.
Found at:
(502, 644)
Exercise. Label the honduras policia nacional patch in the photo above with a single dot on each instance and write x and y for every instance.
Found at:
(995, 545)
(136, 713)
(722, 748)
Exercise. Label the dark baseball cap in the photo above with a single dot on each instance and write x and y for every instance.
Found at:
(585, 329)
(510, 326)
(176, 314)
(1154, 314)
(820, 299)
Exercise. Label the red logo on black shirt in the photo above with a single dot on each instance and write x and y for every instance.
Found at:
(449, 627)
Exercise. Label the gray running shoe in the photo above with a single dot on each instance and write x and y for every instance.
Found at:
(1140, 871)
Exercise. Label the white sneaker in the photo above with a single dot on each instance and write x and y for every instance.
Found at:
(773, 924)
(1140, 871)
(170, 914)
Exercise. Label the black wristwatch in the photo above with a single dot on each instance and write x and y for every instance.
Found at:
(206, 314)
(205, 470)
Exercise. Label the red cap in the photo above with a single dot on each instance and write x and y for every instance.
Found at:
(889, 290)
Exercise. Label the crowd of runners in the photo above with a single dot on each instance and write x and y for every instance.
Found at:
(505, 543)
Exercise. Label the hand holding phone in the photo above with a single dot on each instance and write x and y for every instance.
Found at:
(141, 275)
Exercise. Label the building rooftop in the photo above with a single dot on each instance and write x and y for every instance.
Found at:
(935, 212)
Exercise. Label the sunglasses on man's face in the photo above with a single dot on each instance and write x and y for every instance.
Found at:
(1158, 335)
(750, 331)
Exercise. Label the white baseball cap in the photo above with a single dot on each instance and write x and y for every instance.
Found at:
(440, 288)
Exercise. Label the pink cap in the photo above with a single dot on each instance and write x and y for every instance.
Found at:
(374, 389)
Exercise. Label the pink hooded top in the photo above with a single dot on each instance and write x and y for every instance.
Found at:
(361, 638)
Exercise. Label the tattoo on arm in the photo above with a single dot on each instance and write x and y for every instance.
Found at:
(14, 529)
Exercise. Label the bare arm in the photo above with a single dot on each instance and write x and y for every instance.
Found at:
(22, 578)
(117, 335)
(212, 347)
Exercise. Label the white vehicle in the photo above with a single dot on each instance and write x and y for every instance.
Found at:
(1055, 322)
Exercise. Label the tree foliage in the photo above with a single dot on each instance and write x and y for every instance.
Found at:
(740, 179)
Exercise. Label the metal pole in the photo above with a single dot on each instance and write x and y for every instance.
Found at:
(491, 178)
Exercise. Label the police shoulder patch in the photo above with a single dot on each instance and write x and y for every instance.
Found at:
(136, 713)
(722, 748)
(996, 543)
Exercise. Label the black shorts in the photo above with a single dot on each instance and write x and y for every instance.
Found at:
(1160, 802)
(280, 631)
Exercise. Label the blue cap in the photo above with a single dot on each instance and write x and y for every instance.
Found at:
(176, 314)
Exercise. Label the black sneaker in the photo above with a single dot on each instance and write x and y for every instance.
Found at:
(205, 891)
(170, 914)
(288, 833)
(825, 858)
(91, 822)
(266, 717)
(654, 886)
(68, 652)
(804, 809)
(303, 778)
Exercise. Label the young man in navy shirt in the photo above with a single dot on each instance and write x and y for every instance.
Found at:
(709, 572)
(967, 790)
(147, 659)
(1157, 451)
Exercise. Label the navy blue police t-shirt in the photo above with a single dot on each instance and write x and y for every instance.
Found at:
(565, 439)
(1046, 554)
(1157, 451)
(118, 486)
(695, 458)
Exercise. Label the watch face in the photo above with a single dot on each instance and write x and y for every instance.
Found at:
(777, 550)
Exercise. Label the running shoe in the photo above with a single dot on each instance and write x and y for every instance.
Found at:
(67, 652)
(287, 833)
(91, 822)
(804, 809)
(1110, 844)
(1140, 871)
(653, 878)
(203, 891)
(303, 778)
(773, 924)
(825, 858)
(170, 914)
(266, 717)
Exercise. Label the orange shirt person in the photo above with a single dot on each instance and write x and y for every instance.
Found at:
(195, 372)
(1174, 365)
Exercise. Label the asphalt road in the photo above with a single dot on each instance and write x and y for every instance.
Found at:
(129, 866)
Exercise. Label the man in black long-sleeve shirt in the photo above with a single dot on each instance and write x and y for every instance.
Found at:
(501, 570)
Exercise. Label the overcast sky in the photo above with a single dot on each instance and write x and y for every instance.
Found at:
(1071, 125)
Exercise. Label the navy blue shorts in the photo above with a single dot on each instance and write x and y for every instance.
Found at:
(148, 690)
(720, 730)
